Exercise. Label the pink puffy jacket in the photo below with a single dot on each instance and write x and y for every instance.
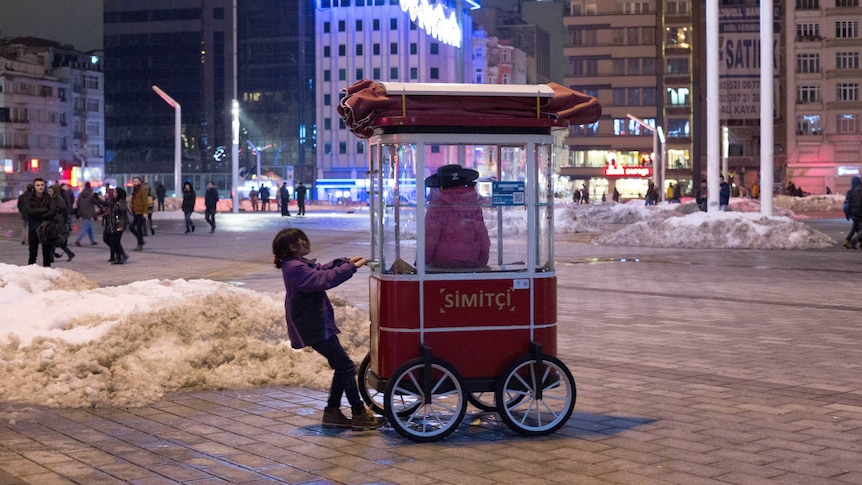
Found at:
(455, 233)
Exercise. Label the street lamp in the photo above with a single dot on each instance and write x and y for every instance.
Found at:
(257, 151)
(657, 135)
(178, 168)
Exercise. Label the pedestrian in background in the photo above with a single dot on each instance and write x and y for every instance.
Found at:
(284, 195)
(264, 198)
(139, 206)
(252, 196)
(40, 208)
(299, 195)
(723, 194)
(189, 199)
(210, 204)
(23, 200)
(59, 237)
(116, 222)
(853, 212)
(86, 212)
(69, 200)
(161, 192)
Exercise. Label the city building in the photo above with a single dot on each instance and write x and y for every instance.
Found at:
(824, 148)
(51, 114)
(381, 40)
(185, 48)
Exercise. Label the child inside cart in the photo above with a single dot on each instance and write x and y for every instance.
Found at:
(311, 321)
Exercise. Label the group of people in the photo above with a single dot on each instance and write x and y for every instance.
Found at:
(282, 199)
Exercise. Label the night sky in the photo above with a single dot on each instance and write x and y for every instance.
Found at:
(75, 22)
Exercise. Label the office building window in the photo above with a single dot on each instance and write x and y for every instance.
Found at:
(359, 25)
(677, 66)
(342, 74)
(327, 75)
(678, 97)
(847, 29)
(649, 96)
(393, 47)
(677, 7)
(376, 73)
(847, 60)
(327, 50)
(360, 74)
(414, 48)
(326, 27)
(808, 94)
(375, 49)
(677, 36)
(342, 26)
(393, 24)
(414, 73)
(807, 4)
(342, 50)
(327, 100)
(635, 7)
(327, 148)
(678, 128)
(807, 31)
(375, 24)
(393, 73)
(633, 66)
(807, 63)
(327, 123)
(618, 36)
(647, 35)
(633, 35)
(435, 73)
(648, 65)
(808, 125)
(847, 92)
(619, 67)
(634, 96)
(342, 147)
(360, 147)
(621, 126)
(847, 123)
(358, 49)
(846, 3)
(619, 96)
(435, 48)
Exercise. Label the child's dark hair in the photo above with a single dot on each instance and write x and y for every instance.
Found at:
(281, 244)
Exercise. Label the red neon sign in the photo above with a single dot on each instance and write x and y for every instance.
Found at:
(643, 172)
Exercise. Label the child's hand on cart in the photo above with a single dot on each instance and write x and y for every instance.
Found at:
(358, 261)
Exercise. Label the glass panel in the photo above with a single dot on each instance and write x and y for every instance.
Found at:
(544, 208)
(398, 196)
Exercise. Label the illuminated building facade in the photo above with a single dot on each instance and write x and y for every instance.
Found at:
(381, 40)
(51, 114)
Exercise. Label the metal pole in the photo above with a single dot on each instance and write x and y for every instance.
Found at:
(234, 149)
(767, 128)
(178, 175)
(713, 154)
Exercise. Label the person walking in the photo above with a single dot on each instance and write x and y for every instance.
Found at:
(62, 223)
(161, 192)
(299, 195)
(189, 199)
(700, 196)
(252, 196)
(210, 203)
(310, 321)
(86, 211)
(284, 195)
(651, 194)
(69, 200)
(264, 198)
(116, 222)
(151, 204)
(723, 194)
(40, 208)
(23, 201)
(139, 210)
(853, 212)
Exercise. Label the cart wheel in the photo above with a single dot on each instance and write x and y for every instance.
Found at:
(483, 400)
(372, 397)
(538, 397)
(420, 419)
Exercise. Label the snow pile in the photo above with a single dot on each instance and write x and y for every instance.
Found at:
(730, 230)
(812, 203)
(129, 345)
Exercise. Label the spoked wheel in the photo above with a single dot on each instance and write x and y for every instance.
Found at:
(539, 396)
(483, 400)
(425, 404)
(372, 397)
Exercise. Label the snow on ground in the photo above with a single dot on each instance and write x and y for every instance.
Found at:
(129, 345)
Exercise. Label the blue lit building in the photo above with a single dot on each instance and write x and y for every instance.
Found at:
(383, 40)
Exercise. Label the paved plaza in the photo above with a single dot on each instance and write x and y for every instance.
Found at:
(692, 367)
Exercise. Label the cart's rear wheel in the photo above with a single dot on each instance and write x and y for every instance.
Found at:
(483, 400)
(425, 410)
(370, 395)
(539, 396)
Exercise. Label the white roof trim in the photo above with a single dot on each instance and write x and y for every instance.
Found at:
(455, 89)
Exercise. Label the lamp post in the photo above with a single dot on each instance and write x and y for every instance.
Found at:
(257, 151)
(657, 135)
(178, 160)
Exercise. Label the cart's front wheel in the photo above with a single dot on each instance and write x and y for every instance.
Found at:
(372, 397)
(538, 396)
(425, 404)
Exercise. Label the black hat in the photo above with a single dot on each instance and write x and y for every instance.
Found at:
(451, 176)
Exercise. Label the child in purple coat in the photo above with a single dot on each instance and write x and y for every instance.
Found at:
(311, 321)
